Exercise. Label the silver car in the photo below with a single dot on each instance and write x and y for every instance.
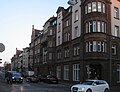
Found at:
(91, 86)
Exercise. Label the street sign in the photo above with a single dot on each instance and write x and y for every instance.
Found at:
(2, 47)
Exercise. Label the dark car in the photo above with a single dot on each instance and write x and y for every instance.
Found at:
(17, 77)
(41, 78)
(12, 77)
(51, 79)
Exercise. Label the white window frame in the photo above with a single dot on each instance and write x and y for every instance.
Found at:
(99, 26)
(58, 71)
(76, 72)
(76, 15)
(94, 46)
(94, 6)
(118, 72)
(89, 7)
(114, 52)
(99, 7)
(103, 7)
(116, 12)
(116, 31)
(66, 72)
(99, 46)
(94, 26)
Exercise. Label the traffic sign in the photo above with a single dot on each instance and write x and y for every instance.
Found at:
(2, 47)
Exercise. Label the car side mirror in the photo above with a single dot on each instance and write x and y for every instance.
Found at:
(94, 84)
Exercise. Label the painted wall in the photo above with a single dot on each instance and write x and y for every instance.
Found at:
(115, 3)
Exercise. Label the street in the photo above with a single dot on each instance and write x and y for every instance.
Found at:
(38, 87)
(31, 87)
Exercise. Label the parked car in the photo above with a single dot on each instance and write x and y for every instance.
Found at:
(32, 78)
(91, 86)
(41, 78)
(51, 79)
(13, 76)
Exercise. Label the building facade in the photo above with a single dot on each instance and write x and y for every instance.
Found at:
(81, 42)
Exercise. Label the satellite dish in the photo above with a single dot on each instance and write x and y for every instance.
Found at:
(2, 47)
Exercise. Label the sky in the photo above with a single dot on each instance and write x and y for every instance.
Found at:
(17, 18)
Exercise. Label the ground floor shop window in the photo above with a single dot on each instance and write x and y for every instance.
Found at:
(66, 72)
(58, 71)
(76, 72)
(118, 73)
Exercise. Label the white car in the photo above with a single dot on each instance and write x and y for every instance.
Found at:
(91, 86)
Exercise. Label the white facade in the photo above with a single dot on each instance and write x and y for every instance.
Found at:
(115, 18)
(76, 19)
(25, 58)
(59, 29)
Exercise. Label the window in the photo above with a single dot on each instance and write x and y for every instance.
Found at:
(58, 40)
(76, 72)
(59, 27)
(67, 23)
(103, 47)
(98, 26)
(58, 71)
(90, 26)
(59, 55)
(76, 50)
(118, 73)
(95, 46)
(103, 27)
(76, 15)
(89, 8)
(99, 47)
(76, 33)
(114, 49)
(66, 37)
(99, 7)
(66, 72)
(94, 8)
(50, 56)
(86, 27)
(103, 8)
(86, 10)
(94, 26)
(116, 12)
(116, 31)
(90, 47)
(50, 32)
(67, 53)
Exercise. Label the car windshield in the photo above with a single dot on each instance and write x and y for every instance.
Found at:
(87, 83)
(16, 74)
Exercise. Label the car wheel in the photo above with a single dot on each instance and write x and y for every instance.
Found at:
(106, 90)
(89, 90)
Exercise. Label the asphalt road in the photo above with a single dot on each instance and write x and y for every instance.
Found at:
(38, 87)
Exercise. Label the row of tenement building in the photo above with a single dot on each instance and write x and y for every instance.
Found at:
(81, 42)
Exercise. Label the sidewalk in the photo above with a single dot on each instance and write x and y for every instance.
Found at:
(115, 89)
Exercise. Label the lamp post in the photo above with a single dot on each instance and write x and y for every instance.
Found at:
(110, 61)
(111, 38)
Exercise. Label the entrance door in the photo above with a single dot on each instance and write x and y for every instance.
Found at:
(94, 71)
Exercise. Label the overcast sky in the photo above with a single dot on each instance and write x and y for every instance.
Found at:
(17, 18)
